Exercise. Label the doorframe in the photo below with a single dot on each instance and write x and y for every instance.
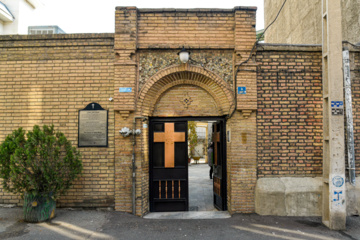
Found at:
(224, 153)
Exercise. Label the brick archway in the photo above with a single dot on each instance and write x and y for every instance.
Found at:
(185, 74)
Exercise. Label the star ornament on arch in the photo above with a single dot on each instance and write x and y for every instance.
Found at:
(186, 101)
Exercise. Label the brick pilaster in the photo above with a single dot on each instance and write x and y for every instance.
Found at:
(125, 59)
(245, 37)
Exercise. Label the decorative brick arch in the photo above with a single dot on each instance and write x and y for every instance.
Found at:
(185, 74)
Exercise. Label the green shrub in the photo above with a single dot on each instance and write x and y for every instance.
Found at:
(41, 162)
(192, 138)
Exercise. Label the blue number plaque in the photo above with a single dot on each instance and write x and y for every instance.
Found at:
(241, 90)
(125, 89)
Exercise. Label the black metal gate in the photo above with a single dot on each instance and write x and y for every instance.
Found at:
(168, 166)
(219, 179)
(168, 155)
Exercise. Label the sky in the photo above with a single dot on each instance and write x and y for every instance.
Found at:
(94, 16)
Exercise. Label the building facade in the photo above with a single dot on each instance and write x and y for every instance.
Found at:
(265, 105)
(17, 15)
(300, 22)
(38, 30)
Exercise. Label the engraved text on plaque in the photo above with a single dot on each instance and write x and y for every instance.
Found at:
(93, 128)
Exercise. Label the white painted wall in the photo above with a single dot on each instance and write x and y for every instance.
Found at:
(25, 15)
(1, 27)
(13, 6)
(300, 22)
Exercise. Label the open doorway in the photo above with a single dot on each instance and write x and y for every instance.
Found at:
(179, 168)
(200, 152)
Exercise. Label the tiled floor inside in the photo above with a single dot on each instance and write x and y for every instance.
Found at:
(200, 197)
(200, 188)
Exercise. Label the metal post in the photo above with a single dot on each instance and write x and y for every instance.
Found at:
(349, 117)
(133, 166)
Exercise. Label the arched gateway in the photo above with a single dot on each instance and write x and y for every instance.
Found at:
(171, 98)
(193, 82)
(159, 95)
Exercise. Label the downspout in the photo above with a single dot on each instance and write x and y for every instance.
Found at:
(134, 166)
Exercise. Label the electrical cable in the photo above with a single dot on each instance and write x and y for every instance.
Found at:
(250, 55)
(354, 45)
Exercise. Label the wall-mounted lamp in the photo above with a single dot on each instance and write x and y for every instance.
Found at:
(184, 55)
(125, 132)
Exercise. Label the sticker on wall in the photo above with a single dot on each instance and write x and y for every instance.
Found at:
(125, 89)
(241, 90)
(338, 198)
(337, 108)
(338, 181)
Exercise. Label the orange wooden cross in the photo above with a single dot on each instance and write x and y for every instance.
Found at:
(169, 137)
(216, 139)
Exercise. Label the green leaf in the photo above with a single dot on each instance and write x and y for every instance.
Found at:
(44, 161)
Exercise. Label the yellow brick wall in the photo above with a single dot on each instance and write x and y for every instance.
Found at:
(198, 30)
(289, 119)
(47, 80)
(242, 162)
(188, 28)
(186, 100)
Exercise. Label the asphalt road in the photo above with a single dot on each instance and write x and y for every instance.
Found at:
(93, 224)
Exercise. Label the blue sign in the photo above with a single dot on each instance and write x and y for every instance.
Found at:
(241, 90)
(337, 104)
(125, 89)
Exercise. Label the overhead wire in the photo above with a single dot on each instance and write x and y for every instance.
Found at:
(250, 55)
(352, 44)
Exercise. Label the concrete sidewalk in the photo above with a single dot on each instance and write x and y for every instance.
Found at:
(93, 224)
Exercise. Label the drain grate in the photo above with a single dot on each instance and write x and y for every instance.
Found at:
(193, 208)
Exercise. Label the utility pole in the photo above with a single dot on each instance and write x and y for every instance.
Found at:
(334, 198)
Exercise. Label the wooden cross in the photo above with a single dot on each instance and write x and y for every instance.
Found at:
(216, 139)
(169, 137)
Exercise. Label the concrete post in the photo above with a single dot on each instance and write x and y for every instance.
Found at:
(334, 204)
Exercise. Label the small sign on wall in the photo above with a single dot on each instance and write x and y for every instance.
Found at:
(241, 90)
(125, 89)
(337, 108)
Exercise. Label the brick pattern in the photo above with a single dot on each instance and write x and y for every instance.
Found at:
(241, 150)
(195, 29)
(143, 195)
(194, 75)
(158, 95)
(47, 80)
(289, 120)
(123, 161)
(355, 87)
(246, 77)
(241, 160)
(126, 73)
(186, 100)
(245, 37)
(123, 166)
(125, 58)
